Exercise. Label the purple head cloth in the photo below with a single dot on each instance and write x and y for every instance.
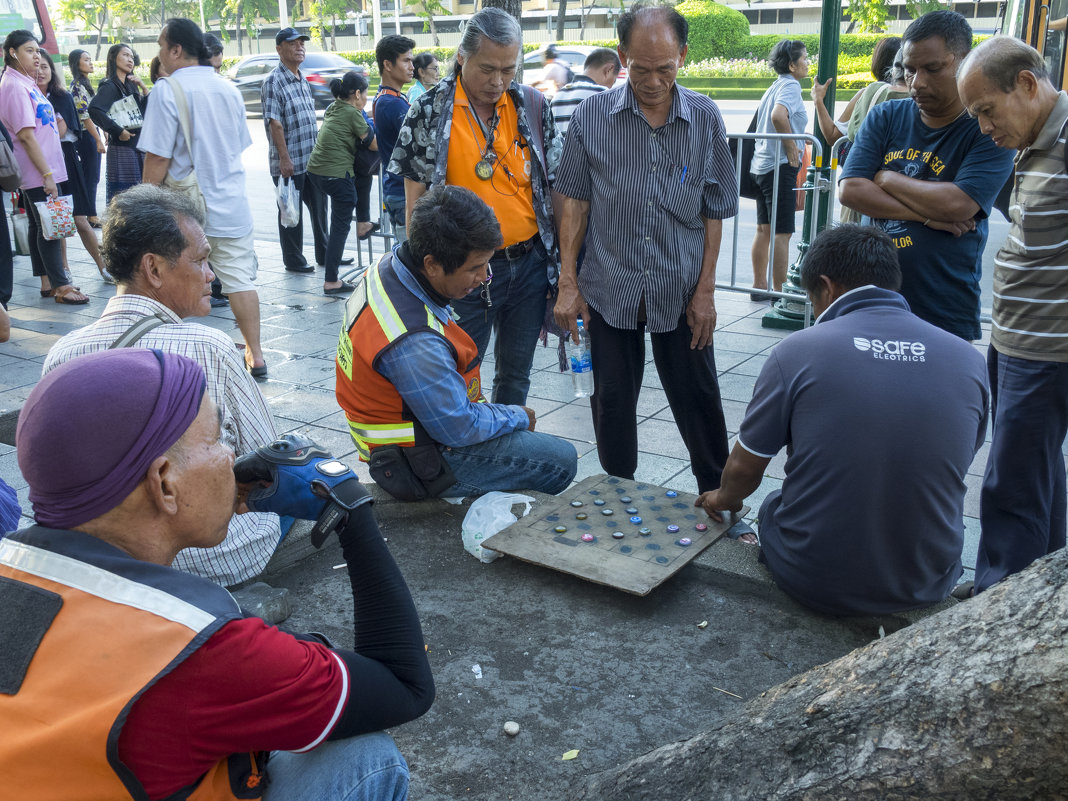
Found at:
(91, 427)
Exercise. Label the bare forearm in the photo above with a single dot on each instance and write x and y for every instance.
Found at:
(935, 200)
(278, 137)
(571, 217)
(413, 190)
(155, 169)
(866, 197)
(706, 281)
(741, 476)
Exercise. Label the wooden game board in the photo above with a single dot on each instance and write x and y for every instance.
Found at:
(646, 555)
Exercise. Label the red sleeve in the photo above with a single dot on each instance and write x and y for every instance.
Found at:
(251, 687)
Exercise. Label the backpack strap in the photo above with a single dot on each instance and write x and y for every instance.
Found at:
(133, 334)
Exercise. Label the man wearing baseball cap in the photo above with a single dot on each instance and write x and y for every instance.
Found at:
(147, 682)
(289, 119)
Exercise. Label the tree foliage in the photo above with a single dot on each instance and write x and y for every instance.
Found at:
(715, 30)
(427, 10)
(870, 16)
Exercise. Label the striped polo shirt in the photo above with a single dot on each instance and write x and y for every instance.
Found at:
(1030, 313)
(567, 98)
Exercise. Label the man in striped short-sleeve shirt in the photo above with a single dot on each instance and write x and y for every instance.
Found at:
(648, 164)
(1005, 85)
(598, 73)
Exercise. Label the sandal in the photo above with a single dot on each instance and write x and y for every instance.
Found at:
(94, 222)
(70, 297)
(47, 293)
(106, 277)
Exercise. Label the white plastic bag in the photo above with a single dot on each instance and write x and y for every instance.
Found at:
(488, 515)
(57, 217)
(288, 197)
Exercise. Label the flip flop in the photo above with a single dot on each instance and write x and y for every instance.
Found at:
(66, 298)
(47, 293)
(374, 227)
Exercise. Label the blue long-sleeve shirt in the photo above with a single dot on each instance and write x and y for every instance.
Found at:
(422, 367)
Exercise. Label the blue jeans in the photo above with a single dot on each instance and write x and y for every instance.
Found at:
(521, 460)
(518, 295)
(1022, 504)
(342, 194)
(395, 207)
(366, 768)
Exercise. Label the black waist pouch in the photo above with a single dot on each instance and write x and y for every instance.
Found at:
(411, 474)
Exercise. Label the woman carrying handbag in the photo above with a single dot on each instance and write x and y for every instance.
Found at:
(118, 109)
(90, 142)
(27, 114)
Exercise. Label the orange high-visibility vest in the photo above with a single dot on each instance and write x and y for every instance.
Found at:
(99, 628)
(380, 312)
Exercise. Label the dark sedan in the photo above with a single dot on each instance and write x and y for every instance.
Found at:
(318, 69)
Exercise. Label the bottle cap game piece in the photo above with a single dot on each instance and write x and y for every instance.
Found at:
(672, 494)
(606, 512)
(626, 499)
(576, 504)
(683, 541)
(599, 502)
(635, 520)
(645, 532)
(580, 516)
(560, 529)
(673, 529)
(701, 527)
(631, 510)
(617, 535)
(587, 537)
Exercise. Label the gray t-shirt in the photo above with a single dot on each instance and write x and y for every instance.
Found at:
(881, 414)
(786, 92)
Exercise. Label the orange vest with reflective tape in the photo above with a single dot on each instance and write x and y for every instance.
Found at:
(98, 628)
(380, 312)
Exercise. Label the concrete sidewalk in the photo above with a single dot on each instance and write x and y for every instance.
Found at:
(300, 327)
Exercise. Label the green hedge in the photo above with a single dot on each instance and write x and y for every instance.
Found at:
(715, 30)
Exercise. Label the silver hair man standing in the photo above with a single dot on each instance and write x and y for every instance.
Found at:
(647, 165)
(1005, 86)
(481, 130)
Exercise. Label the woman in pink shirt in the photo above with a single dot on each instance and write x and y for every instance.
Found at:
(31, 120)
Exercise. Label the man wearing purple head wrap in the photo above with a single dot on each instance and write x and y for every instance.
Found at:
(147, 682)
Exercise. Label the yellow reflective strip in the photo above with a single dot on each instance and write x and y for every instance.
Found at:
(382, 308)
(344, 353)
(434, 323)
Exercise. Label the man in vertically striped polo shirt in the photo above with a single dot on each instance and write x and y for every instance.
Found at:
(1005, 85)
(599, 72)
(646, 180)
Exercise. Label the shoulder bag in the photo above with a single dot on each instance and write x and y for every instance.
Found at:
(188, 186)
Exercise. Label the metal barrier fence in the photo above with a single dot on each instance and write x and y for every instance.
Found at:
(820, 187)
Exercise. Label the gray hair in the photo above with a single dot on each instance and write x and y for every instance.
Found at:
(144, 219)
(1002, 58)
(491, 23)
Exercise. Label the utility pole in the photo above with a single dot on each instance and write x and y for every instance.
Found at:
(376, 13)
(790, 314)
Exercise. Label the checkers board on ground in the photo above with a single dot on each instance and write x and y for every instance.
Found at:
(613, 531)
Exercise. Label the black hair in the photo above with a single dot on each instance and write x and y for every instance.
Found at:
(113, 56)
(785, 53)
(55, 84)
(952, 27)
(550, 51)
(212, 45)
(650, 13)
(1002, 59)
(882, 57)
(600, 57)
(852, 256)
(154, 68)
(15, 40)
(422, 61)
(74, 60)
(392, 47)
(450, 223)
(348, 84)
(144, 219)
(187, 34)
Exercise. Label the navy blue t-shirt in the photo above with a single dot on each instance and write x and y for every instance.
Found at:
(940, 272)
(881, 414)
(389, 113)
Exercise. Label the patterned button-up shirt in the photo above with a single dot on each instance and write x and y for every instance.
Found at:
(422, 151)
(288, 99)
(247, 423)
(649, 191)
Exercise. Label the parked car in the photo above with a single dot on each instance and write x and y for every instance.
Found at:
(318, 69)
(573, 55)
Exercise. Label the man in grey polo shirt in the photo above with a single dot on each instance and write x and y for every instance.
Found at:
(881, 414)
(1005, 86)
(646, 180)
(289, 117)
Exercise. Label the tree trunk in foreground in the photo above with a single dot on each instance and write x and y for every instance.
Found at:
(971, 703)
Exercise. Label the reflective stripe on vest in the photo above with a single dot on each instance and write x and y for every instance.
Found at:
(371, 435)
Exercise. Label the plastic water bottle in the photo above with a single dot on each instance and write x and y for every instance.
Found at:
(581, 366)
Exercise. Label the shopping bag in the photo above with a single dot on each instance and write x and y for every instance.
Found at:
(487, 516)
(288, 197)
(57, 217)
(20, 227)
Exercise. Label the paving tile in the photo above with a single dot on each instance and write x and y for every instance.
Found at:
(661, 437)
(751, 366)
(736, 387)
(745, 343)
(9, 469)
(305, 405)
(571, 421)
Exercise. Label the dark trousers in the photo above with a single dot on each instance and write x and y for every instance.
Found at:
(46, 255)
(90, 160)
(691, 386)
(1023, 501)
(292, 239)
(363, 197)
(342, 196)
(7, 263)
